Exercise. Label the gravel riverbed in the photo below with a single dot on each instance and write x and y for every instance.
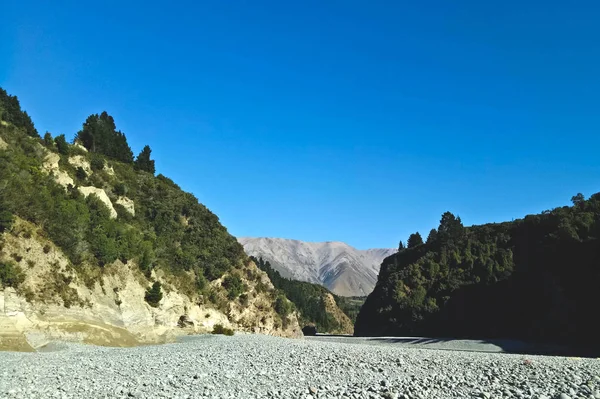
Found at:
(254, 366)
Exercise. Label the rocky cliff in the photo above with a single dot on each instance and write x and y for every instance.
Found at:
(95, 248)
(55, 302)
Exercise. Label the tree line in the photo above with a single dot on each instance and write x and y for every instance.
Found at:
(533, 279)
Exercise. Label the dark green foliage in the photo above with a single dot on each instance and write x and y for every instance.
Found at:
(96, 162)
(80, 173)
(48, 140)
(533, 279)
(99, 135)
(143, 161)
(6, 219)
(401, 246)
(219, 329)
(306, 297)
(11, 112)
(578, 199)
(432, 236)
(234, 286)
(350, 305)
(171, 230)
(120, 189)
(414, 240)
(283, 307)
(61, 145)
(11, 275)
(154, 295)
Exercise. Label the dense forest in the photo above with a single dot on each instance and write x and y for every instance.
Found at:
(533, 279)
(309, 299)
(169, 229)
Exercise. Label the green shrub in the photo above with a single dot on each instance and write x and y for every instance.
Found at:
(6, 220)
(219, 329)
(97, 162)
(234, 286)
(120, 189)
(154, 295)
(80, 174)
(11, 275)
(283, 307)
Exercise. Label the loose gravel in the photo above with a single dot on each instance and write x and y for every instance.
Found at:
(254, 366)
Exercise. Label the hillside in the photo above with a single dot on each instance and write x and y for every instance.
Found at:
(342, 269)
(316, 305)
(94, 247)
(533, 279)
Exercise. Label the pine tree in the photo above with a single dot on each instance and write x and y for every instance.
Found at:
(48, 140)
(154, 295)
(61, 145)
(401, 246)
(143, 161)
(99, 135)
(414, 240)
(432, 236)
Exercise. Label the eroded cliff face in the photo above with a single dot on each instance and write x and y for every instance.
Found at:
(346, 326)
(56, 301)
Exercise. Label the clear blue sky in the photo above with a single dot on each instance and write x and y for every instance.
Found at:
(329, 120)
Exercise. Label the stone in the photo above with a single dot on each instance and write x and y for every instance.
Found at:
(101, 194)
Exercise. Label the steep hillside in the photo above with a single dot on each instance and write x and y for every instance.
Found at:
(91, 239)
(532, 279)
(342, 269)
(315, 304)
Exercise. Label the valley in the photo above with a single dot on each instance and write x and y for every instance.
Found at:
(342, 269)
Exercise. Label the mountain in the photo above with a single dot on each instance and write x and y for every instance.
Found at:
(316, 305)
(342, 269)
(94, 247)
(533, 279)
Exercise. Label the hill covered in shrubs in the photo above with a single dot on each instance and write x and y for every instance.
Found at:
(100, 206)
(533, 279)
(316, 305)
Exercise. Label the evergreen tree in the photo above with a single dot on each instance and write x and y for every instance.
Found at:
(432, 236)
(401, 246)
(451, 228)
(414, 240)
(99, 135)
(12, 113)
(48, 140)
(154, 295)
(578, 199)
(143, 161)
(61, 145)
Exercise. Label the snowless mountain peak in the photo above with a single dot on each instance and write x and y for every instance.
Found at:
(336, 265)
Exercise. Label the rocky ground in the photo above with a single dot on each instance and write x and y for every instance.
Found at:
(254, 366)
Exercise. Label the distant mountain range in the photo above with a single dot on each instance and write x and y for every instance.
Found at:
(342, 269)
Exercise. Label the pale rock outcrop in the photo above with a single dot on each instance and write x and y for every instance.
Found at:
(54, 303)
(3, 144)
(100, 194)
(80, 146)
(127, 203)
(51, 167)
(79, 161)
(109, 170)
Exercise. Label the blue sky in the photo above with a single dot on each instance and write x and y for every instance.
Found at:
(339, 120)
